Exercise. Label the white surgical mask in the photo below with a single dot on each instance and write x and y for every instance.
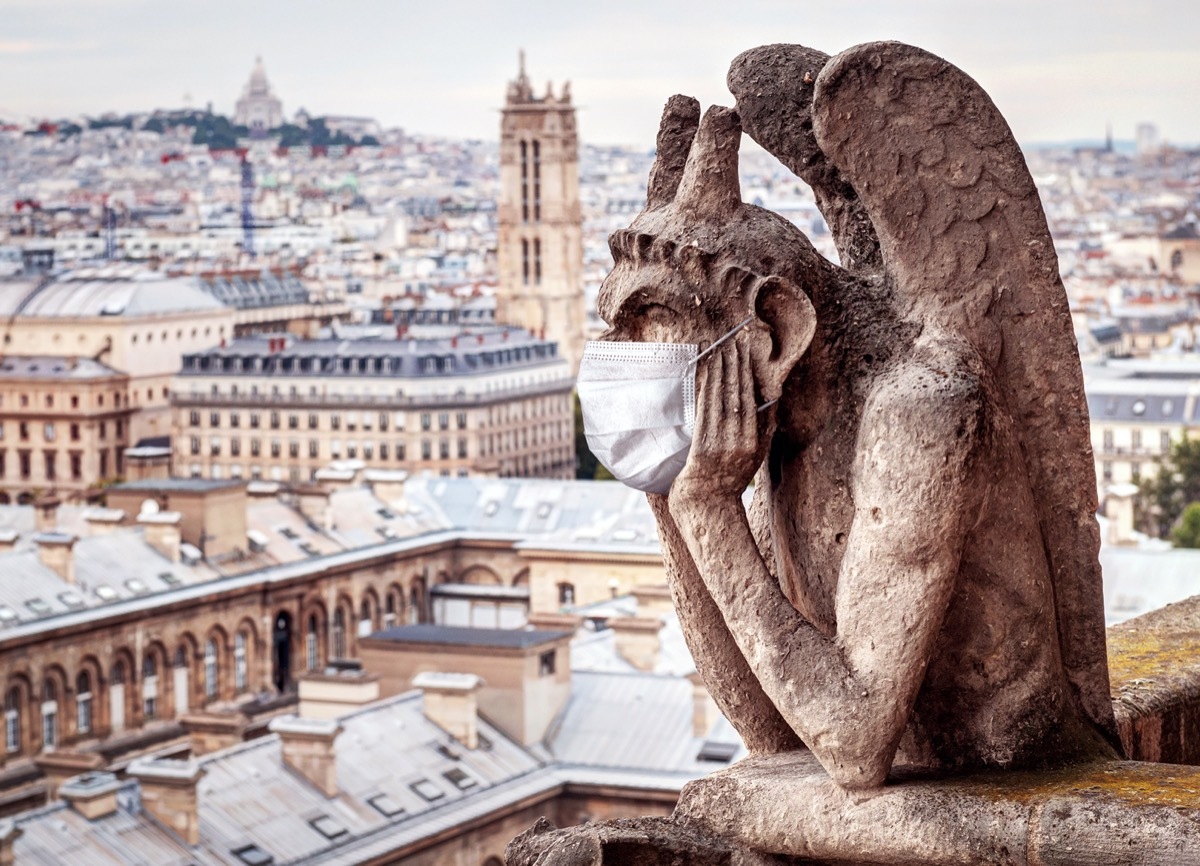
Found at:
(639, 407)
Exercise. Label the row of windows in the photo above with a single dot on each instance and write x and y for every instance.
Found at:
(117, 399)
(313, 420)
(88, 688)
(114, 701)
(50, 462)
(1136, 440)
(165, 335)
(353, 448)
(50, 430)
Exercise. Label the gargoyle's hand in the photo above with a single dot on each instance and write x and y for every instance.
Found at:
(726, 448)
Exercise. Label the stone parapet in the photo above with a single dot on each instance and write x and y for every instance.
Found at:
(1102, 813)
(1154, 671)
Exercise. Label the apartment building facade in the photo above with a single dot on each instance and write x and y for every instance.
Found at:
(496, 403)
(64, 426)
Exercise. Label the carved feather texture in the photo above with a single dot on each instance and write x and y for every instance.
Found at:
(964, 239)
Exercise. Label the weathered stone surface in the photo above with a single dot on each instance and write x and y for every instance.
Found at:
(630, 842)
(1102, 813)
(1155, 663)
(918, 574)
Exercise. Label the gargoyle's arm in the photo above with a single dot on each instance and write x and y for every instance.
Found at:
(849, 698)
(720, 663)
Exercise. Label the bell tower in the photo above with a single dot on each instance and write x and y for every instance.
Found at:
(540, 246)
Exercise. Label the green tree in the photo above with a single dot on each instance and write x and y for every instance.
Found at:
(1162, 501)
(587, 466)
(1187, 532)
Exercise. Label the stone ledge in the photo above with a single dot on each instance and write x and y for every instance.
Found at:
(1120, 811)
(1154, 671)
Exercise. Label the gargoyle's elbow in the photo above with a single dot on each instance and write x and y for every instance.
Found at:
(856, 768)
(860, 776)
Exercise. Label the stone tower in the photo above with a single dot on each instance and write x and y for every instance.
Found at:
(541, 225)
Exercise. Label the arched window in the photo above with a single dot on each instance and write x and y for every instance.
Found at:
(389, 610)
(566, 594)
(239, 661)
(182, 680)
(149, 687)
(365, 618)
(83, 703)
(211, 670)
(49, 715)
(116, 697)
(12, 720)
(414, 606)
(339, 634)
(311, 660)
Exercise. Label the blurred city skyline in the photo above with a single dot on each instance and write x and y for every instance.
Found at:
(1058, 71)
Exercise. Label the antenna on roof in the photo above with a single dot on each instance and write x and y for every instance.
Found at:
(247, 202)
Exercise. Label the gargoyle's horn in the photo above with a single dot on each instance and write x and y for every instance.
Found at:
(710, 184)
(676, 130)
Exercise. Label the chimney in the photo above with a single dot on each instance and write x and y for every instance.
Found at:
(308, 748)
(637, 640)
(8, 540)
(704, 708)
(55, 550)
(162, 532)
(169, 794)
(9, 833)
(313, 502)
(451, 704)
(92, 795)
(387, 485)
(102, 521)
(45, 513)
(653, 601)
(554, 621)
(332, 695)
(1118, 508)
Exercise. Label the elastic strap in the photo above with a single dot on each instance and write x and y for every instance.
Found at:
(721, 340)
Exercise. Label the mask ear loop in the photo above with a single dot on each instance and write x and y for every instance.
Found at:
(720, 340)
(746, 321)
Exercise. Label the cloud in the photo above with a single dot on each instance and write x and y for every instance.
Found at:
(22, 46)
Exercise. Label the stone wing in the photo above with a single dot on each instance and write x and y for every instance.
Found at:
(964, 240)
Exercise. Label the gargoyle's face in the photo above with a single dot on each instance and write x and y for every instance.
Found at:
(654, 303)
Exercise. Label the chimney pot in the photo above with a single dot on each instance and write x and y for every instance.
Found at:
(92, 795)
(308, 748)
(56, 552)
(102, 521)
(46, 513)
(9, 833)
(637, 640)
(451, 704)
(169, 794)
(8, 540)
(162, 532)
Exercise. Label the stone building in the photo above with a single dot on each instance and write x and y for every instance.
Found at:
(540, 246)
(259, 108)
(64, 426)
(428, 776)
(189, 609)
(141, 323)
(496, 402)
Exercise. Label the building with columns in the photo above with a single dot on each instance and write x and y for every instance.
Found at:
(540, 246)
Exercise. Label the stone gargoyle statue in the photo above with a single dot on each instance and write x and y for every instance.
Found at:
(916, 580)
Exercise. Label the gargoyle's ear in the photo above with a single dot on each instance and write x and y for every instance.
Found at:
(789, 315)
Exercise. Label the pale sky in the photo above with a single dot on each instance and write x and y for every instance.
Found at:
(1058, 69)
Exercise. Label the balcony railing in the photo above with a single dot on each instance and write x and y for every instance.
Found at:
(355, 401)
